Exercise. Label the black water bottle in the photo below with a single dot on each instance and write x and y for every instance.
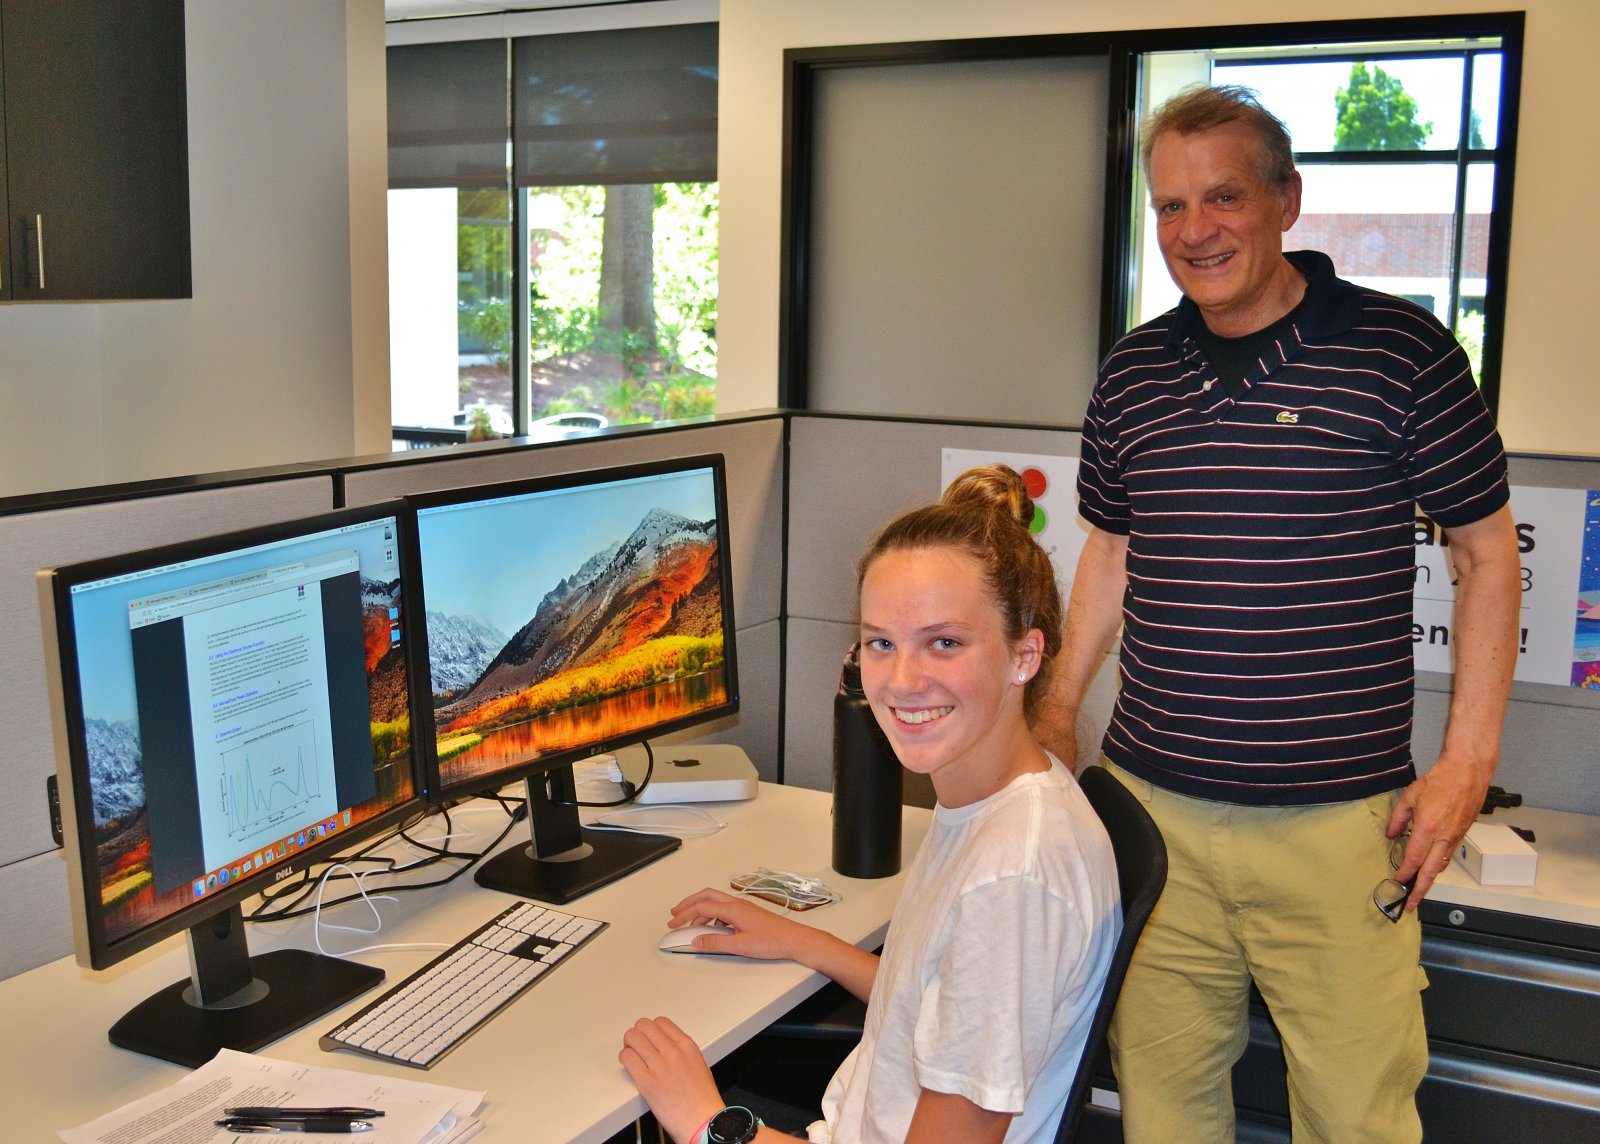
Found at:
(866, 784)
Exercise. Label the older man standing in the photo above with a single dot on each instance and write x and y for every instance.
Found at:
(1251, 465)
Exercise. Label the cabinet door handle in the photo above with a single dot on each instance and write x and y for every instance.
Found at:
(38, 245)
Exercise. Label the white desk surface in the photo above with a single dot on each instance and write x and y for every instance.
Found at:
(1567, 886)
(549, 1061)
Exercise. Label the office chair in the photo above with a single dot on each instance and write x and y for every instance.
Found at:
(833, 1016)
(1141, 874)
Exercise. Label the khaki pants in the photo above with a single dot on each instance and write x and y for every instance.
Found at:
(1281, 896)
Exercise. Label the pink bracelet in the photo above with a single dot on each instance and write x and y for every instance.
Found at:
(700, 1133)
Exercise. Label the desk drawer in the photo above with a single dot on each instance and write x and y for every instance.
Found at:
(1461, 1100)
(1473, 1102)
(1512, 1001)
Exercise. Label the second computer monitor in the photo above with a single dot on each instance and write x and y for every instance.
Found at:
(568, 616)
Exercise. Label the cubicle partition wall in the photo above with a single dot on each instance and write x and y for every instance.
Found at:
(60, 530)
(806, 491)
(847, 476)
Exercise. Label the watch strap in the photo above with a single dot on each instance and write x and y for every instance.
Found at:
(704, 1135)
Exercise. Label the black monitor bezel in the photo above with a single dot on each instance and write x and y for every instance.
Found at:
(92, 944)
(436, 792)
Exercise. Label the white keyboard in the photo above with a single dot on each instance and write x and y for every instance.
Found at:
(443, 1003)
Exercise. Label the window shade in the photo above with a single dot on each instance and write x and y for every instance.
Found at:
(448, 114)
(634, 105)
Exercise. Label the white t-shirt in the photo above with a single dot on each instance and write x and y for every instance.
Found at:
(995, 958)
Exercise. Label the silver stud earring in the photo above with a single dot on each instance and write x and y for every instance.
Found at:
(1021, 678)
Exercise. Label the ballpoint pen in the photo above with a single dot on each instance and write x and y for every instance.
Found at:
(305, 1124)
(273, 1112)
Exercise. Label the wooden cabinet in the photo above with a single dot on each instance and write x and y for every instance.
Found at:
(95, 186)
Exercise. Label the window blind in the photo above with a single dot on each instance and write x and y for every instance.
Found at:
(448, 114)
(632, 105)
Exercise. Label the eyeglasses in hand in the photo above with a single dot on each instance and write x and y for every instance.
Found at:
(1390, 894)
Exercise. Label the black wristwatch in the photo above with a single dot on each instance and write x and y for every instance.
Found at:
(733, 1125)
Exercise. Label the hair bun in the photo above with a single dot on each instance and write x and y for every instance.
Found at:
(994, 489)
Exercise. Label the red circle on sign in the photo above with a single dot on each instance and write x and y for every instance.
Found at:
(1035, 482)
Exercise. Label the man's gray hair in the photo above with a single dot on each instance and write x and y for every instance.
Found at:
(1202, 107)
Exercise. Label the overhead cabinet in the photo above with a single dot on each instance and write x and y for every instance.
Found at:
(94, 173)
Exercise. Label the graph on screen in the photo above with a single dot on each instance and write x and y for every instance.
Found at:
(269, 781)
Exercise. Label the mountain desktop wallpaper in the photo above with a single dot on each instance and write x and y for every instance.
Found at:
(617, 628)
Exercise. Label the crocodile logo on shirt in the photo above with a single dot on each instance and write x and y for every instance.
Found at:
(1287, 418)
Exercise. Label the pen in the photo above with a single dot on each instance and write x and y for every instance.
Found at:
(271, 1112)
(303, 1125)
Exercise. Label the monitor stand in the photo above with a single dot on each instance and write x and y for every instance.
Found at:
(235, 1001)
(566, 859)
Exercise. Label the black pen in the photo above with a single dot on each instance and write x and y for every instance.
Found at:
(293, 1124)
(271, 1112)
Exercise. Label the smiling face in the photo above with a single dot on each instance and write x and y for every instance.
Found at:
(1220, 227)
(941, 677)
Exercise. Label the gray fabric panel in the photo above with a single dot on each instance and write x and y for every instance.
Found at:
(35, 924)
(814, 648)
(848, 477)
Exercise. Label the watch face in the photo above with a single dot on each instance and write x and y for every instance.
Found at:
(732, 1126)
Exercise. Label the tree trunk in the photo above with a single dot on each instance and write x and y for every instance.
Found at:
(627, 276)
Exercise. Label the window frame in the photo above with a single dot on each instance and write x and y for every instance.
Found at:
(515, 50)
(1507, 27)
(1123, 50)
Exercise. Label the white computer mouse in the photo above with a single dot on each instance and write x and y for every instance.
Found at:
(681, 940)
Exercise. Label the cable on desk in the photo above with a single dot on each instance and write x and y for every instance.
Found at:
(311, 883)
(701, 822)
(377, 919)
(629, 791)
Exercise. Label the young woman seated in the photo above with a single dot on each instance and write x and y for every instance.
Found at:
(978, 1011)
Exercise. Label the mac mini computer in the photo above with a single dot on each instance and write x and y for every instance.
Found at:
(695, 772)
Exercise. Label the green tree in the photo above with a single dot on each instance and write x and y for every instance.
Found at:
(1375, 113)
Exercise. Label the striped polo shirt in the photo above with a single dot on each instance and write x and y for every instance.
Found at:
(1266, 647)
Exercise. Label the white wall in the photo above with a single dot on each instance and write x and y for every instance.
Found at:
(287, 333)
(283, 350)
(1547, 399)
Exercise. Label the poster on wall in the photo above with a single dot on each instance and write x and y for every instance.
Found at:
(1052, 484)
(1586, 630)
(1551, 544)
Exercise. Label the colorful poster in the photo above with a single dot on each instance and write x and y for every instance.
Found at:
(1586, 633)
(1549, 541)
(1052, 483)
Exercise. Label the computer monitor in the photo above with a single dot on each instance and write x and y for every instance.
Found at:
(566, 617)
(227, 712)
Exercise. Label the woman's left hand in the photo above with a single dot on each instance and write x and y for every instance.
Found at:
(671, 1074)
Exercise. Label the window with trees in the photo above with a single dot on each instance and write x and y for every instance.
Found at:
(553, 231)
(1402, 146)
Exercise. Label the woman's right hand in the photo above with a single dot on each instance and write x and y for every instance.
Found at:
(757, 931)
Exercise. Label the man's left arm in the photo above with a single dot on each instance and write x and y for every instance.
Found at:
(1440, 805)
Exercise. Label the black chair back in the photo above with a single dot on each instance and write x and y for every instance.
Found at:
(1141, 873)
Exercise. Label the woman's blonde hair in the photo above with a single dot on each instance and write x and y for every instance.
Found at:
(987, 513)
